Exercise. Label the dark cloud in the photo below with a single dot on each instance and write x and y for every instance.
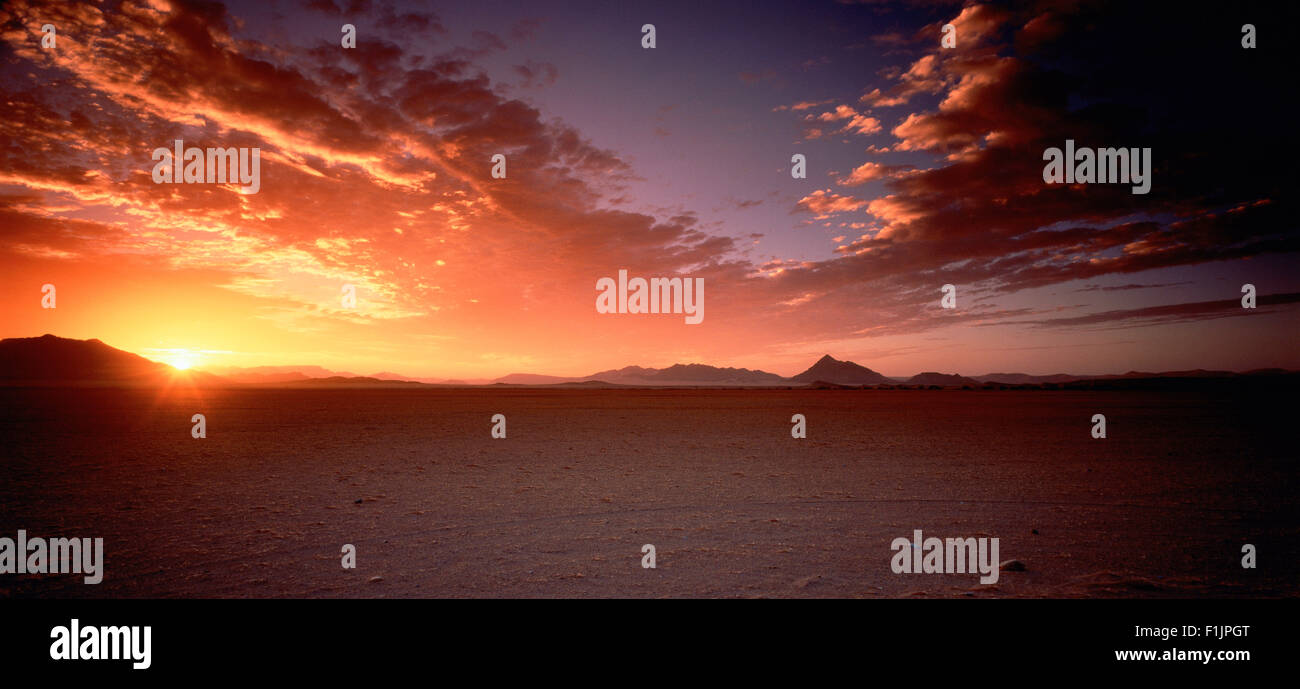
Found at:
(1169, 313)
(983, 216)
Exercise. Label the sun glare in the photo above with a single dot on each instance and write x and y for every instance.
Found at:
(182, 360)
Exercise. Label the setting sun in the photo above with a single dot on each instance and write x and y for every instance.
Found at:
(181, 359)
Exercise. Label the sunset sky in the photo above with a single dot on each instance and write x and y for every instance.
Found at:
(924, 168)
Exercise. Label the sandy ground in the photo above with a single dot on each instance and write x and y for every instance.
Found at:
(712, 478)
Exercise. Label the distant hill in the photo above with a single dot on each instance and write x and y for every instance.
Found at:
(268, 378)
(389, 375)
(701, 374)
(621, 374)
(585, 384)
(945, 379)
(259, 375)
(277, 375)
(677, 374)
(1197, 373)
(58, 360)
(533, 379)
(356, 382)
(1025, 378)
(831, 370)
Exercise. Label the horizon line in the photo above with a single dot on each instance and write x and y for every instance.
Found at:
(561, 379)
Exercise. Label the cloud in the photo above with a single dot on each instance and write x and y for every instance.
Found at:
(525, 29)
(379, 183)
(823, 203)
(857, 122)
(982, 216)
(1130, 286)
(376, 172)
(1169, 313)
(867, 172)
(977, 25)
(536, 74)
(757, 77)
(803, 105)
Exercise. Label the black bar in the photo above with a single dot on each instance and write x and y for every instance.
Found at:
(1004, 641)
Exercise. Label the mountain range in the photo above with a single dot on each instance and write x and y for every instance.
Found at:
(60, 361)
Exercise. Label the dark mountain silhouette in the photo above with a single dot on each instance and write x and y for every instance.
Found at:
(932, 378)
(1197, 373)
(1025, 378)
(701, 374)
(677, 374)
(356, 382)
(1267, 372)
(57, 360)
(625, 373)
(51, 360)
(831, 370)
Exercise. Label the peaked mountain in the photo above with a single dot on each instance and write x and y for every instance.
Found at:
(50, 359)
(932, 378)
(831, 370)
